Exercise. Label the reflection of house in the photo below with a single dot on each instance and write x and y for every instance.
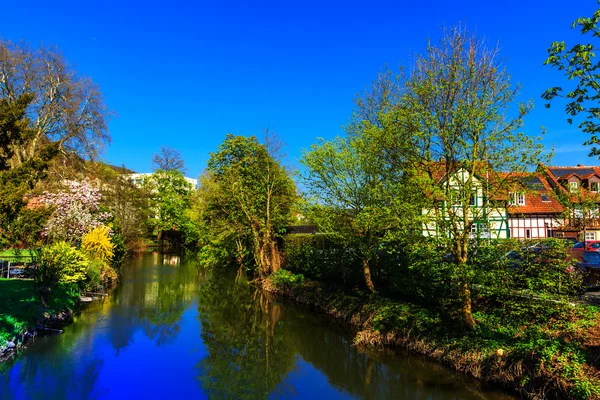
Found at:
(533, 212)
(487, 214)
(579, 190)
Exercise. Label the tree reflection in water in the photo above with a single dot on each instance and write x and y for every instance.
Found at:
(250, 352)
(149, 340)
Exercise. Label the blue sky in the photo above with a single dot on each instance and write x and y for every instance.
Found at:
(185, 73)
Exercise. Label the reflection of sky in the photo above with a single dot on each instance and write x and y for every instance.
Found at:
(93, 369)
(160, 371)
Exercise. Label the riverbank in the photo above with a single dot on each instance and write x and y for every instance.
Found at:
(23, 316)
(551, 358)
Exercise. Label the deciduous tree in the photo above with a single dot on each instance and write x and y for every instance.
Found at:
(580, 65)
(65, 107)
(454, 136)
(246, 187)
(168, 159)
(171, 201)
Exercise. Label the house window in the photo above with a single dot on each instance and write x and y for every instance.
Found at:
(483, 227)
(545, 198)
(474, 229)
(528, 233)
(473, 199)
(595, 186)
(573, 186)
(590, 236)
(517, 199)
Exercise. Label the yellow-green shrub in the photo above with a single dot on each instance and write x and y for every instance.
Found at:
(97, 244)
(61, 262)
(99, 247)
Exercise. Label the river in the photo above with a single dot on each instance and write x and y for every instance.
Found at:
(171, 331)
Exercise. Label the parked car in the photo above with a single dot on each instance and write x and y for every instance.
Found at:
(590, 245)
(590, 266)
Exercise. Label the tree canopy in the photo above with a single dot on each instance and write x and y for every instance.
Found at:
(579, 64)
(168, 159)
(246, 196)
(64, 107)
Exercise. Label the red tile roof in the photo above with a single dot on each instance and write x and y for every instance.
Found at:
(534, 204)
(556, 175)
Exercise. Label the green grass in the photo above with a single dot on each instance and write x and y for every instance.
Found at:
(19, 307)
(24, 255)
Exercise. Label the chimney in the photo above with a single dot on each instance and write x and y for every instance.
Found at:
(580, 165)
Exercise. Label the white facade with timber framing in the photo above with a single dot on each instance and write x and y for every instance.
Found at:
(534, 212)
(488, 218)
(579, 189)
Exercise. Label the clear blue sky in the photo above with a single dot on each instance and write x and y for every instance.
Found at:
(185, 73)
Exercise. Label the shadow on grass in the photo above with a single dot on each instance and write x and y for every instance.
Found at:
(19, 307)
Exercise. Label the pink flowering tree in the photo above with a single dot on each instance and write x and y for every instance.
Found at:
(75, 212)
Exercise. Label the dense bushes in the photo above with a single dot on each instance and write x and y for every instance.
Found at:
(322, 257)
(87, 267)
(419, 269)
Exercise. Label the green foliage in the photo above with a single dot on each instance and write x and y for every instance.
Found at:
(119, 251)
(284, 278)
(19, 226)
(128, 203)
(171, 201)
(244, 203)
(579, 64)
(323, 257)
(61, 263)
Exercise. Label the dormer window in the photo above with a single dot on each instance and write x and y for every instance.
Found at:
(595, 186)
(573, 186)
(517, 199)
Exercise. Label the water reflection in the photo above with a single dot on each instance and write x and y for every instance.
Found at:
(168, 330)
(250, 351)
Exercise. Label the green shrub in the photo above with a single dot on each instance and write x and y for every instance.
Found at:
(322, 257)
(119, 251)
(283, 278)
(61, 263)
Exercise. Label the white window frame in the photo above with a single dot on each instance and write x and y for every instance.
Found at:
(573, 186)
(517, 199)
(590, 236)
(474, 228)
(597, 187)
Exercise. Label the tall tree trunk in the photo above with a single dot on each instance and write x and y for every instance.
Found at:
(367, 274)
(464, 290)
(465, 298)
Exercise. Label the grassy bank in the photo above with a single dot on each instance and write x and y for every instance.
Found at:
(18, 255)
(551, 356)
(21, 308)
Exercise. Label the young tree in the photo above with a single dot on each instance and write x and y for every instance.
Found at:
(579, 64)
(249, 189)
(356, 196)
(452, 131)
(171, 201)
(65, 108)
(168, 159)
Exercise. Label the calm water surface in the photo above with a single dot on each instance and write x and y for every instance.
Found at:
(169, 331)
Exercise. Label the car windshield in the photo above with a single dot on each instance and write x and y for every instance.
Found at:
(578, 245)
(595, 245)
